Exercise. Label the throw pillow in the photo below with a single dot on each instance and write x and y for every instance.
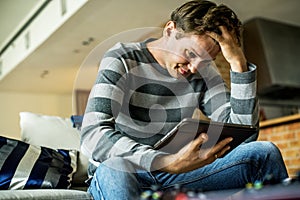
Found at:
(50, 131)
(54, 132)
(25, 166)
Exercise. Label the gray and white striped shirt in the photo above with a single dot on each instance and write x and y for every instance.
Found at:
(135, 101)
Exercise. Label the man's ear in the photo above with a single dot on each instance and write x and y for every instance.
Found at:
(169, 28)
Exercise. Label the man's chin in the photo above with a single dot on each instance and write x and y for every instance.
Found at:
(180, 76)
(175, 73)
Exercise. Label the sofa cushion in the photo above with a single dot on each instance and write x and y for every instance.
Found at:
(46, 194)
(25, 166)
(54, 132)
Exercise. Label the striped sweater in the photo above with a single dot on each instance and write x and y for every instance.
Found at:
(135, 101)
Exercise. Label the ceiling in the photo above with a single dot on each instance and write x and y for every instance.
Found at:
(62, 61)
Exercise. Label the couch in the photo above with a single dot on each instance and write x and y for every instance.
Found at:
(46, 162)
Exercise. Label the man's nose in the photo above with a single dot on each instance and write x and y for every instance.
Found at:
(192, 67)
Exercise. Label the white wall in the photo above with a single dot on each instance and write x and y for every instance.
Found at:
(13, 103)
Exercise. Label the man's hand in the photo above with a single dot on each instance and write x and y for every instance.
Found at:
(231, 50)
(191, 157)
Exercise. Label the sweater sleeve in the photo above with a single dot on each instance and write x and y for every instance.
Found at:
(238, 105)
(100, 138)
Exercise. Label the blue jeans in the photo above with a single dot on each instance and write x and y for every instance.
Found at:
(245, 164)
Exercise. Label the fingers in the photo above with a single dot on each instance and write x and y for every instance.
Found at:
(211, 154)
(221, 148)
(216, 37)
(194, 145)
(202, 138)
(216, 151)
(222, 144)
(223, 151)
(225, 31)
(224, 36)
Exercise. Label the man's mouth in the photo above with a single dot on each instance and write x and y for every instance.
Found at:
(182, 71)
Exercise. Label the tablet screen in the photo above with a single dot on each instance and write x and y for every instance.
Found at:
(188, 129)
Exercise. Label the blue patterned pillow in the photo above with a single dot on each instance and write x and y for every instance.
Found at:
(26, 166)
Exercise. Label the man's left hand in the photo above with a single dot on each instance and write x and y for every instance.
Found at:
(231, 49)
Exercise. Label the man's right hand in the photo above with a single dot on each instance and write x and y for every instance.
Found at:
(191, 157)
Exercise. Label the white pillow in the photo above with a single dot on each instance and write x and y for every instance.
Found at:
(56, 133)
(50, 131)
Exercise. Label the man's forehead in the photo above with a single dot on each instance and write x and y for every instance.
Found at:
(209, 47)
(202, 45)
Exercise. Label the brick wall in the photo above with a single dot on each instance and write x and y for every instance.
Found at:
(286, 135)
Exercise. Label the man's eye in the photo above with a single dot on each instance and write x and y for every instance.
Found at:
(191, 54)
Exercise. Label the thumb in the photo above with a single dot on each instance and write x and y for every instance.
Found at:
(202, 138)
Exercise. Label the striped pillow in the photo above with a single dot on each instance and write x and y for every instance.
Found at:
(26, 166)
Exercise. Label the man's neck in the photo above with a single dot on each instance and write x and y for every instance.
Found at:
(156, 48)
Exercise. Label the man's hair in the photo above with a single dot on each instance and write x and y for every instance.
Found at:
(200, 16)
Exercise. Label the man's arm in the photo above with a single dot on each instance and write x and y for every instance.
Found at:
(241, 104)
(100, 138)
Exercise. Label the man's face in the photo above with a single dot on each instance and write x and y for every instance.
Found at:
(189, 53)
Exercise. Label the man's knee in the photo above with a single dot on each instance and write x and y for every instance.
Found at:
(265, 147)
(116, 165)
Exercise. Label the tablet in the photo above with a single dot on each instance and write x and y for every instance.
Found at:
(188, 129)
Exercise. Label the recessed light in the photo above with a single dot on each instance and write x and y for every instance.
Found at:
(88, 41)
(44, 73)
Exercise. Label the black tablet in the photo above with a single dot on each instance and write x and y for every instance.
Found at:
(188, 129)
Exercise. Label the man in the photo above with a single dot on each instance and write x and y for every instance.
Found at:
(144, 89)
